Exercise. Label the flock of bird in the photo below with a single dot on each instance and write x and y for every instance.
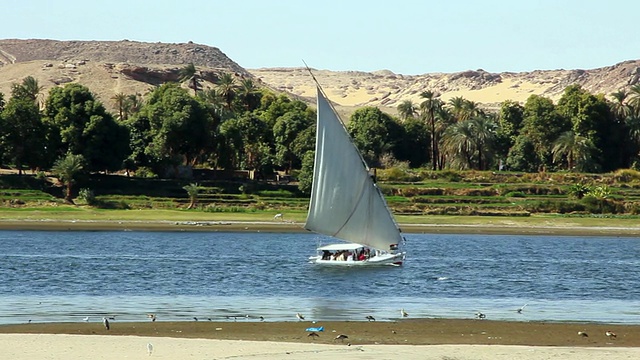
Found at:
(314, 334)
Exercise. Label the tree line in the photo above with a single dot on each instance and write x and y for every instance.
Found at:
(237, 125)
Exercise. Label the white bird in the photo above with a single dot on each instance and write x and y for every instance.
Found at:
(403, 313)
(152, 317)
(583, 334)
(149, 348)
(85, 319)
(278, 217)
(299, 316)
(106, 323)
(611, 334)
(519, 311)
(480, 315)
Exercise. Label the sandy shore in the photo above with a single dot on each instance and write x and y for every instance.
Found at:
(410, 339)
(287, 226)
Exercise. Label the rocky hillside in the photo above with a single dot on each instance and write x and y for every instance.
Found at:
(110, 67)
(386, 89)
(107, 67)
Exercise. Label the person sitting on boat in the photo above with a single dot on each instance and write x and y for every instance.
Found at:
(326, 255)
(362, 256)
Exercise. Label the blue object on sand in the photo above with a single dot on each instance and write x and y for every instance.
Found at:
(321, 328)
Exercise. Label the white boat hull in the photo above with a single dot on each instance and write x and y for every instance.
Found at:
(383, 259)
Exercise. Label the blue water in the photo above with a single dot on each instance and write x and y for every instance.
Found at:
(66, 276)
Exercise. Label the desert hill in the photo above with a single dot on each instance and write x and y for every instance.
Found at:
(110, 67)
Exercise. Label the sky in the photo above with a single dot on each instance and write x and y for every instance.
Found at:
(408, 37)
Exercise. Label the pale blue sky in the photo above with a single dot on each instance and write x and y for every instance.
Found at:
(406, 37)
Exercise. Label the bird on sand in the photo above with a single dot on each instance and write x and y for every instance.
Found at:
(519, 311)
(85, 319)
(341, 337)
(313, 335)
(105, 321)
(583, 334)
(195, 318)
(370, 318)
(299, 316)
(152, 317)
(611, 334)
(149, 348)
(480, 315)
(403, 313)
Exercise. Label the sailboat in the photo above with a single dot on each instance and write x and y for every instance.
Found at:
(346, 203)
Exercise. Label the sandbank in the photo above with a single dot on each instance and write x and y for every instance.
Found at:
(290, 226)
(405, 339)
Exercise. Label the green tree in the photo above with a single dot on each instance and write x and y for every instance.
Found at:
(509, 126)
(374, 132)
(83, 126)
(591, 118)
(413, 146)
(179, 126)
(67, 170)
(286, 130)
(305, 177)
(522, 156)
(542, 125)
(23, 135)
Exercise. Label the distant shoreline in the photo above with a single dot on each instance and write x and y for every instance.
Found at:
(277, 226)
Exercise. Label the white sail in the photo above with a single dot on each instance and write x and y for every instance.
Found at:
(345, 202)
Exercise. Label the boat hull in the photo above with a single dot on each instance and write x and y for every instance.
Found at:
(383, 259)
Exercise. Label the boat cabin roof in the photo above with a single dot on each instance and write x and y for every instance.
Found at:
(337, 247)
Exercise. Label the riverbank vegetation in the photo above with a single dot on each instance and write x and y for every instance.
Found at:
(238, 148)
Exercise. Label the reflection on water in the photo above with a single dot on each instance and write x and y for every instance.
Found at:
(66, 276)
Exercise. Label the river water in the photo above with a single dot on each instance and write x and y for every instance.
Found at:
(48, 276)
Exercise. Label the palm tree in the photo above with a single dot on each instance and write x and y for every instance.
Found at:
(32, 88)
(29, 89)
(485, 132)
(192, 190)
(67, 169)
(190, 73)
(227, 89)
(132, 105)
(620, 108)
(428, 110)
(457, 107)
(574, 148)
(248, 92)
(120, 100)
(458, 144)
(407, 109)
(634, 99)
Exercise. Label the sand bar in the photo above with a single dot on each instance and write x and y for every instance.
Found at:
(289, 226)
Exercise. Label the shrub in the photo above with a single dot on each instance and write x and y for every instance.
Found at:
(515, 194)
(626, 175)
(145, 172)
(87, 196)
